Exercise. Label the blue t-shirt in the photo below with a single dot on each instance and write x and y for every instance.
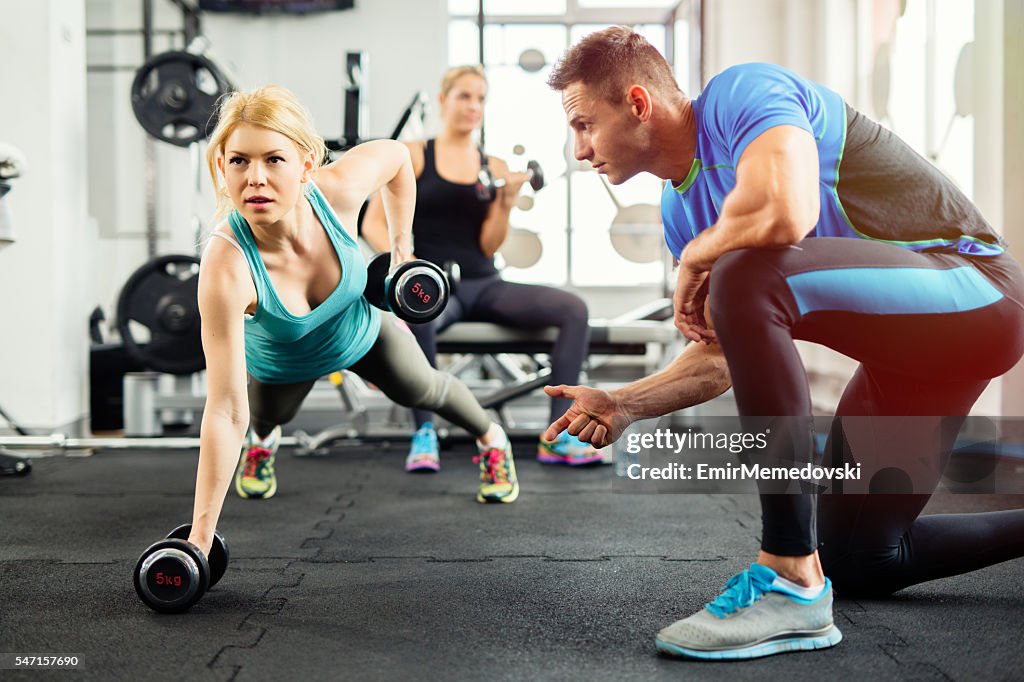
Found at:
(871, 184)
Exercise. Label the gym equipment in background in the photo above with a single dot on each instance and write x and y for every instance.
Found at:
(162, 297)
(175, 94)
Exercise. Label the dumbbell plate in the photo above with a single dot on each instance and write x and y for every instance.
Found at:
(171, 576)
(419, 290)
(536, 177)
(219, 557)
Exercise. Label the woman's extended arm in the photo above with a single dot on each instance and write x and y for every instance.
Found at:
(225, 291)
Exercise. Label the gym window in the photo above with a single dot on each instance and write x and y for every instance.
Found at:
(914, 46)
(574, 212)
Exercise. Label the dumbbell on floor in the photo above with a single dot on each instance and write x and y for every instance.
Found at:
(417, 291)
(173, 574)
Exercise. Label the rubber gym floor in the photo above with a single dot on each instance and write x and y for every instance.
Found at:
(359, 571)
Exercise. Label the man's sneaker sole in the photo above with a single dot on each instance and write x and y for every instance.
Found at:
(781, 643)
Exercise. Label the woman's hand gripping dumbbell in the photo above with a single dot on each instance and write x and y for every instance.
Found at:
(173, 574)
(487, 185)
(417, 291)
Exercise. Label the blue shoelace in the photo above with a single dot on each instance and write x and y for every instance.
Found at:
(742, 590)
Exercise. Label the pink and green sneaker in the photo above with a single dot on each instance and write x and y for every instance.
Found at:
(254, 478)
(498, 482)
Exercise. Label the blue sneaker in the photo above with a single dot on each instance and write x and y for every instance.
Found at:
(568, 450)
(423, 454)
(754, 616)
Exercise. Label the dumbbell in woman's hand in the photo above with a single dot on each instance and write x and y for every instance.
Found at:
(535, 176)
(417, 291)
(173, 574)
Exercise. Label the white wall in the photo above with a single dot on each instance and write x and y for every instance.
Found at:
(816, 38)
(46, 277)
(999, 107)
(406, 40)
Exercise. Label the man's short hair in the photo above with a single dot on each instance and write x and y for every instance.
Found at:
(610, 61)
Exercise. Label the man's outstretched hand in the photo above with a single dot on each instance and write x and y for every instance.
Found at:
(594, 417)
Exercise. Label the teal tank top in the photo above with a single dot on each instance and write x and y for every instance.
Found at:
(282, 348)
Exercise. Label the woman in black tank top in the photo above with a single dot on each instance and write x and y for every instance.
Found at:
(452, 223)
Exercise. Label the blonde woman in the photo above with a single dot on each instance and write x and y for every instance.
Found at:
(280, 293)
(453, 222)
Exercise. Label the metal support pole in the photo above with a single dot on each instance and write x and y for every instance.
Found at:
(480, 50)
(149, 149)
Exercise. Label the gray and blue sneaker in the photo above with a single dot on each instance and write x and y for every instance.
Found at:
(754, 616)
(423, 453)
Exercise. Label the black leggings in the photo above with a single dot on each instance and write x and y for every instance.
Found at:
(522, 306)
(929, 333)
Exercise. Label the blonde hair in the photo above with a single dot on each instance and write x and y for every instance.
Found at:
(456, 72)
(271, 107)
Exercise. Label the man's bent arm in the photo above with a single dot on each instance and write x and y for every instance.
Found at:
(775, 202)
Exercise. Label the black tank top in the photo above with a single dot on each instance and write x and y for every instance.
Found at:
(446, 224)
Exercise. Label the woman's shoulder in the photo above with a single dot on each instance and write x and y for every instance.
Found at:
(222, 246)
(418, 153)
(224, 270)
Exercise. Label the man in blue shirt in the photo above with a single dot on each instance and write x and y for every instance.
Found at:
(793, 216)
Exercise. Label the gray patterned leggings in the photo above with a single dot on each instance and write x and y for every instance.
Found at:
(397, 366)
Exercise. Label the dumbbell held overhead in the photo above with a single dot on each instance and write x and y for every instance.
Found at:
(173, 574)
(417, 291)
